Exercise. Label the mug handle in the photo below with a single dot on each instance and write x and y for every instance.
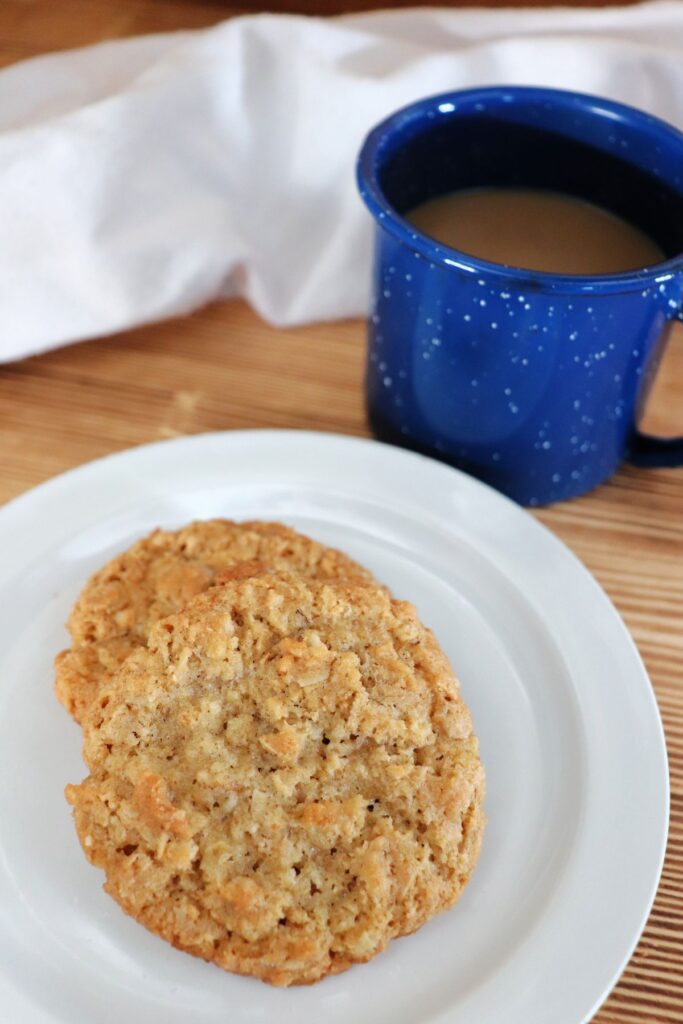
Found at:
(656, 452)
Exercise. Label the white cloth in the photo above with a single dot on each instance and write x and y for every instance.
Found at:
(142, 178)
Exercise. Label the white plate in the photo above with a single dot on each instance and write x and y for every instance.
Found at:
(569, 728)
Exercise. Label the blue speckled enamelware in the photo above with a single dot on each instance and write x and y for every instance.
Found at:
(534, 382)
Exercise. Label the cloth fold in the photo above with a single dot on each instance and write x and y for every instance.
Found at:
(142, 178)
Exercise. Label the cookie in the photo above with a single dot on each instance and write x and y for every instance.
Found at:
(284, 778)
(157, 576)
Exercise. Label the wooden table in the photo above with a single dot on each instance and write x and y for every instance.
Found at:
(223, 368)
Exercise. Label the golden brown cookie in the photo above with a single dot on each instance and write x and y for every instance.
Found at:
(284, 778)
(157, 577)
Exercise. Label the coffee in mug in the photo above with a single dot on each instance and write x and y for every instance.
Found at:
(537, 229)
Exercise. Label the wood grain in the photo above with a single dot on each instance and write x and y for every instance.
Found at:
(223, 368)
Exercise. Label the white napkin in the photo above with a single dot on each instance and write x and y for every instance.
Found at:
(140, 179)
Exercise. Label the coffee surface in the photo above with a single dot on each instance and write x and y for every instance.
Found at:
(536, 230)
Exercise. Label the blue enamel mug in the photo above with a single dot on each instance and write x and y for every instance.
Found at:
(534, 382)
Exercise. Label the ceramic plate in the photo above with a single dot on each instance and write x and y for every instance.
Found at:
(570, 736)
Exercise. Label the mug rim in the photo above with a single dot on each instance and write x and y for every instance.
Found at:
(446, 103)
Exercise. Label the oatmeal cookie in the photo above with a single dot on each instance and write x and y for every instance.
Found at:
(157, 576)
(284, 778)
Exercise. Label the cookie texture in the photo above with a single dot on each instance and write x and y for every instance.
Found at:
(157, 576)
(284, 778)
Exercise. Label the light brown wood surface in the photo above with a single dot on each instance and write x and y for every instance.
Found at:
(223, 368)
